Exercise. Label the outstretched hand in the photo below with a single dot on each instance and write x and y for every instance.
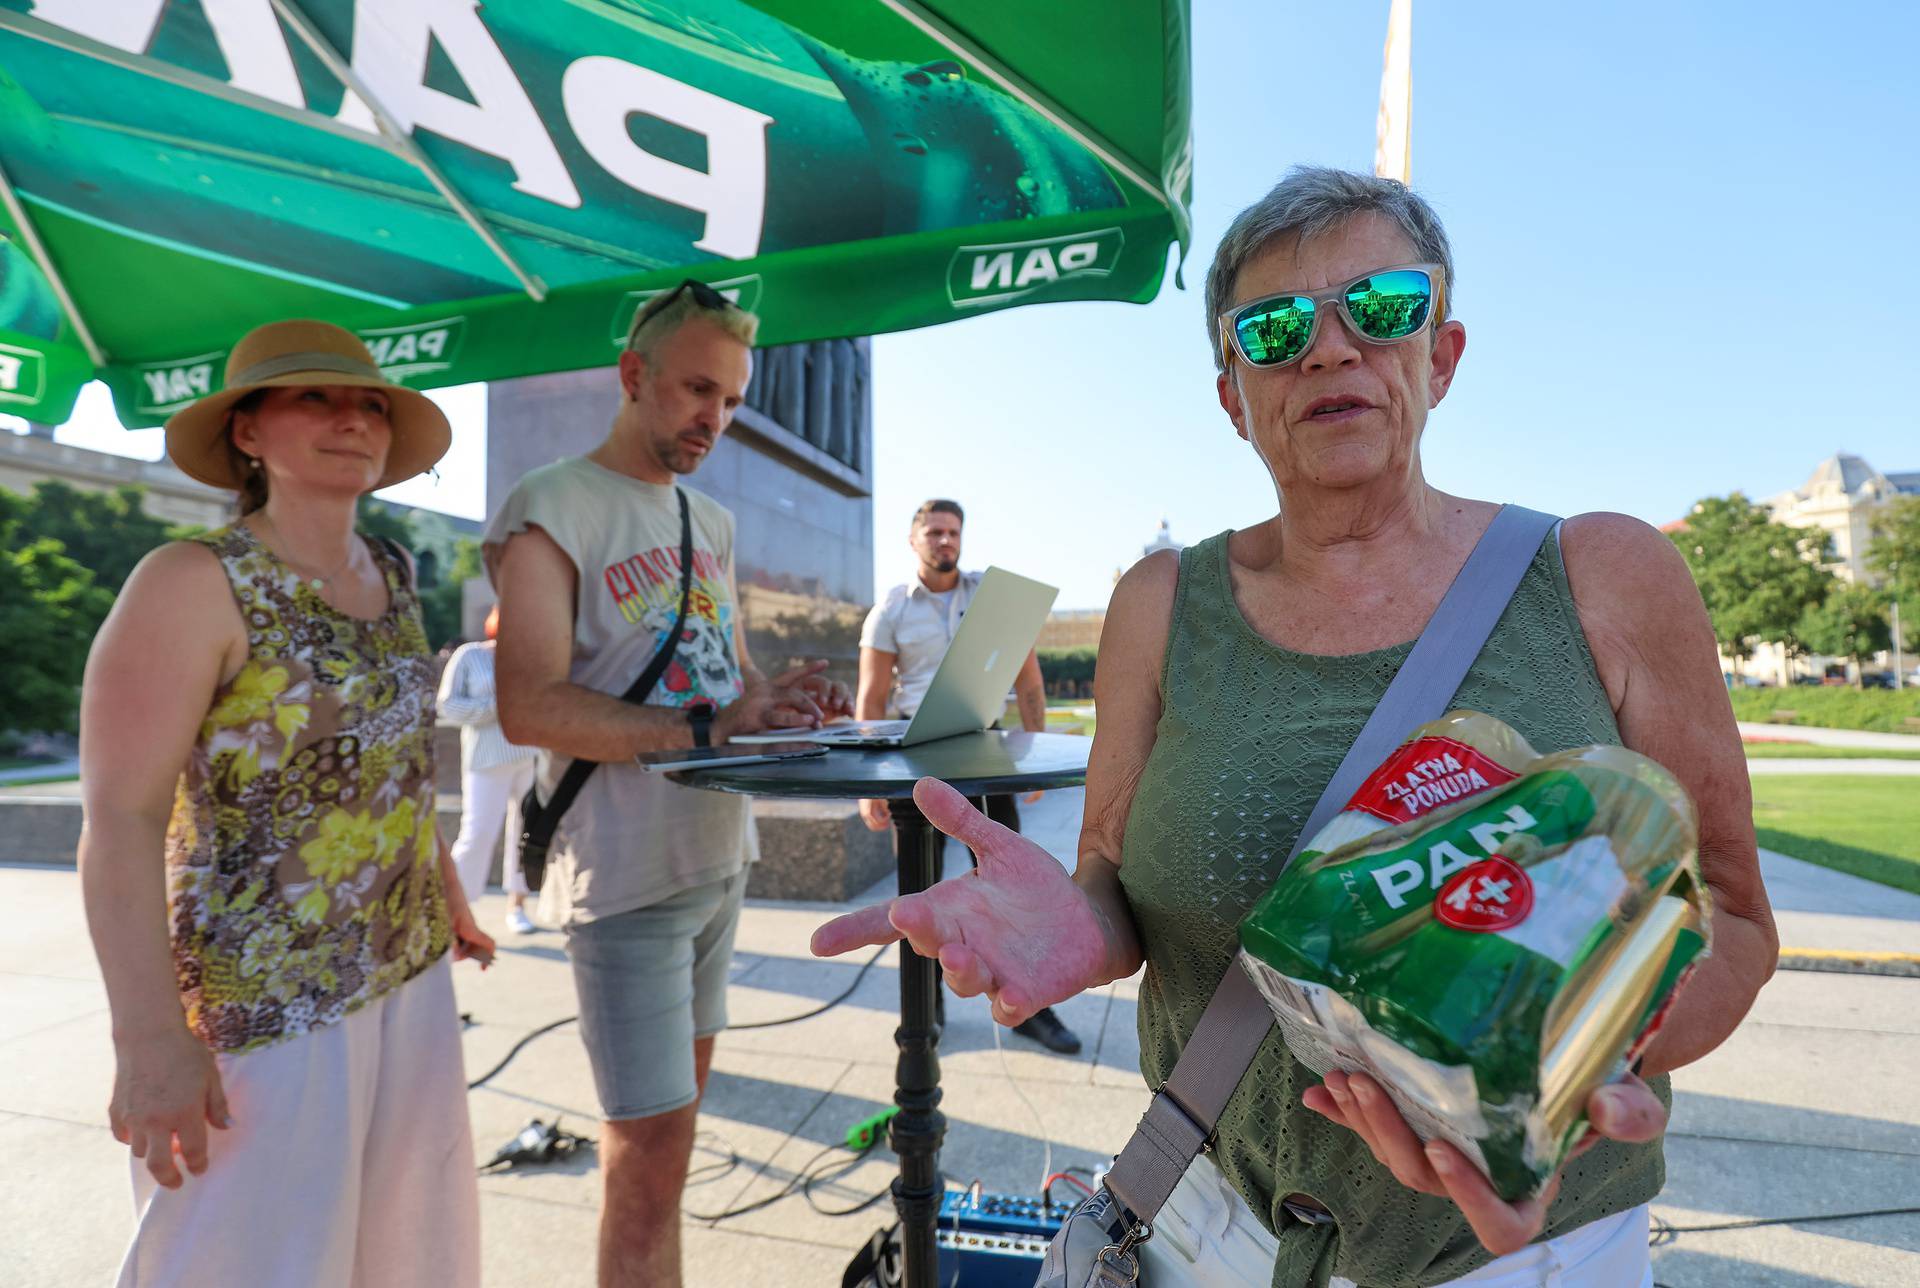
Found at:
(1016, 929)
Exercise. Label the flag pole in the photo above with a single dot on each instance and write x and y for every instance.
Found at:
(1393, 132)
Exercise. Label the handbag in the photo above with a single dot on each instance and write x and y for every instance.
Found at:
(1098, 1245)
(538, 822)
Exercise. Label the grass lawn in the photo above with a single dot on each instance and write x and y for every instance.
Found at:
(1866, 826)
(1814, 751)
(40, 780)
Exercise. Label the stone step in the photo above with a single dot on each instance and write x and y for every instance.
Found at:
(810, 850)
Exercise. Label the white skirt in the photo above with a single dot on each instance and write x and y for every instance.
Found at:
(349, 1163)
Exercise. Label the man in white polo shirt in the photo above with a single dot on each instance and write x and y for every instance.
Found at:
(906, 635)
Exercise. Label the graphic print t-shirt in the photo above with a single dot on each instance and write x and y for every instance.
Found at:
(631, 838)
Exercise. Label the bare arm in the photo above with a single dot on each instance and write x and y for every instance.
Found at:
(876, 678)
(541, 707)
(135, 737)
(1656, 656)
(457, 703)
(1126, 689)
(1030, 692)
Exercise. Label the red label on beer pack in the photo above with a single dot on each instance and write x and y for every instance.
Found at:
(1425, 774)
(1493, 894)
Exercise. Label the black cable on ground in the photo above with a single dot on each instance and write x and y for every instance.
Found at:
(802, 1182)
(1665, 1232)
(515, 1049)
(822, 1009)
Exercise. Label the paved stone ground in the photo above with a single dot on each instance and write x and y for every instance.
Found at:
(1810, 1108)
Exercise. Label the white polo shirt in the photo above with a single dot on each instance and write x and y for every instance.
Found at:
(917, 626)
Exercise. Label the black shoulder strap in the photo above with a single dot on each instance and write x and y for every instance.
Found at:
(539, 821)
(1180, 1119)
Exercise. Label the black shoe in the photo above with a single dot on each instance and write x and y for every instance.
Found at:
(1045, 1028)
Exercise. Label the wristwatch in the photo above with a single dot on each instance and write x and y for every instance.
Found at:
(700, 717)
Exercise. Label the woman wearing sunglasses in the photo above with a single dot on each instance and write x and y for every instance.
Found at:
(1234, 676)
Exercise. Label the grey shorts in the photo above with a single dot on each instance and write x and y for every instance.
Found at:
(650, 982)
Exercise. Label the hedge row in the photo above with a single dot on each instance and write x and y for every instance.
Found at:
(1880, 710)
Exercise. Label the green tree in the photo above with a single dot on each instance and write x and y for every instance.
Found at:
(1894, 553)
(440, 603)
(1850, 623)
(1758, 577)
(378, 519)
(49, 610)
(106, 533)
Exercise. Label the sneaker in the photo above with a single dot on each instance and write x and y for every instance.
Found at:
(1045, 1028)
(519, 923)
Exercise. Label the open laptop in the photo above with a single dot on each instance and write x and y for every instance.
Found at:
(969, 690)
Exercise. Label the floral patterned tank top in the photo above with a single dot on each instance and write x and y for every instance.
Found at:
(303, 874)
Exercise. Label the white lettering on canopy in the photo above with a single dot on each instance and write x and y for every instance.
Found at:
(9, 372)
(601, 92)
(128, 25)
(248, 34)
(391, 42)
(390, 46)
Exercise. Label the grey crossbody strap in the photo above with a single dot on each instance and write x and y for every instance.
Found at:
(1179, 1122)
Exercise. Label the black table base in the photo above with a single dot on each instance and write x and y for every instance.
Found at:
(918, 1129)
(976, 764)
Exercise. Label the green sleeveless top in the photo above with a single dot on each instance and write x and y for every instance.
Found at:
(1249, 736)
(303, 863)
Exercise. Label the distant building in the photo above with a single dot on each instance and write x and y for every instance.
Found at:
(1162, 540)
(1073, 628)
(34, 457)
(27, 459)
(1840, 497)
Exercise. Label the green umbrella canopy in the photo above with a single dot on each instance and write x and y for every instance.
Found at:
(488, 190)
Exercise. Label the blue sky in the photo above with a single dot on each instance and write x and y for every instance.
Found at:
(1685, 243)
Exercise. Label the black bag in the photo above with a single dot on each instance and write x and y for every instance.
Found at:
(537, 821)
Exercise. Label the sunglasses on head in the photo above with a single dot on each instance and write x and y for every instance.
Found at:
(1385, 306)
(703, 295)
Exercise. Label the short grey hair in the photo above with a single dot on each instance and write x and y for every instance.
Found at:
(649, 331)
(1312, 200)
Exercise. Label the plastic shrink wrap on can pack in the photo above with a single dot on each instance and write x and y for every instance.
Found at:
(1489, 933)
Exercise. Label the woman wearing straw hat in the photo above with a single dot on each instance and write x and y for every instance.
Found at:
(280, 977)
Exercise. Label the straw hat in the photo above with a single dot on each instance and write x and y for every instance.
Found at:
(303, 352)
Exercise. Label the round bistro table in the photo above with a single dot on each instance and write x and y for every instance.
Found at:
(976, 764)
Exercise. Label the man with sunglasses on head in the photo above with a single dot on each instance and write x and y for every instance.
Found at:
(645, 876)
(906, 635)
(1232, 679)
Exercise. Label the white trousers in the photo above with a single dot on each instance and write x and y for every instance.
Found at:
(349, 1163)
(485, 795)
(1207, 1237)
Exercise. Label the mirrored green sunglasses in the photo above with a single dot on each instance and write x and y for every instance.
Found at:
(1385, 306)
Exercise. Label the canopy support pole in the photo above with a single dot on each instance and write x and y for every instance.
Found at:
(324, 50)
(1003, 76)
(170, 74)
(38, 249)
